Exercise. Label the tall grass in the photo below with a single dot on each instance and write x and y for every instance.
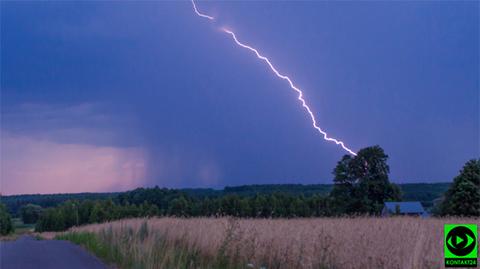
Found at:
(400, 242)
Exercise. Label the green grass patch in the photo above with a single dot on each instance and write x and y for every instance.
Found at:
(21, 227)
(108, 253)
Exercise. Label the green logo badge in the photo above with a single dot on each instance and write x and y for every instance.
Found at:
(460, 245)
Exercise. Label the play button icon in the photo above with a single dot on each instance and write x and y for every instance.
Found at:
(460, 241)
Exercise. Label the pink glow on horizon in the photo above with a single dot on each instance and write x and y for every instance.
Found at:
(284, 77)
(40, 166)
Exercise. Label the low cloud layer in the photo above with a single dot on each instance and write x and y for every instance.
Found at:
(40, 166)
(49, 148)
(84, 147)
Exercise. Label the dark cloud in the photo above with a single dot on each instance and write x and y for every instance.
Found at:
(155, 77)
(87, 123)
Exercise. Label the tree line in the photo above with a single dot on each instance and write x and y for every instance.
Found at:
(361, 186)
(426, 193)
(74, 213)
(15, 203)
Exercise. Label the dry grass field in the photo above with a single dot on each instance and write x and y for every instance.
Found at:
(365, 242)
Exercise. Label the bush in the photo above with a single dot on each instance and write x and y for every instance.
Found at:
(30, 213)
(6, 225)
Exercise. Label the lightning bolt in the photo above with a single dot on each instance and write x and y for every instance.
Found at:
(281, 76)
(201, 14)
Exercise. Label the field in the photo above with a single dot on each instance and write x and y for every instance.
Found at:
(364, 242)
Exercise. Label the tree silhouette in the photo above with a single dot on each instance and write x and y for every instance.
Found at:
(463, 197)
(361, 183)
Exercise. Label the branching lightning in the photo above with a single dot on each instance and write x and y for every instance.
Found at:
(284, 77)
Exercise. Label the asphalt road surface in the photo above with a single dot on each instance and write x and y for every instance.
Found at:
(29, 253)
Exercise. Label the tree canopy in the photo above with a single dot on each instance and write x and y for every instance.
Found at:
(30, 213)
(463, 197)
(361, 183)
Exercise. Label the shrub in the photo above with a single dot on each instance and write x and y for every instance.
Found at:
(6, 225)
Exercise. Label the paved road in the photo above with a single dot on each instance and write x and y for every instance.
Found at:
(29, 253)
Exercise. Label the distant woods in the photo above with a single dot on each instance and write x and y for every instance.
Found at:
(75, 213)
(14, 203)
(361, 186)
(163, 202)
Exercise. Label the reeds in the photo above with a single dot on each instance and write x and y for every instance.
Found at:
(362, 242)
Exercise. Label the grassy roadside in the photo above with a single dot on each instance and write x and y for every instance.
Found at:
(107, 253)
(360, 242)
(20, 229)
(125, 250)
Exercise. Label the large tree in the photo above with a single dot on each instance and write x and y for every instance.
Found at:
(361, 183)
(463, 197)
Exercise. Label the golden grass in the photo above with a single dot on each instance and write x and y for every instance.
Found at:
(365, 242)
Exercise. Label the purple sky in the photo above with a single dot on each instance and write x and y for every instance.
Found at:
(109, 96)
